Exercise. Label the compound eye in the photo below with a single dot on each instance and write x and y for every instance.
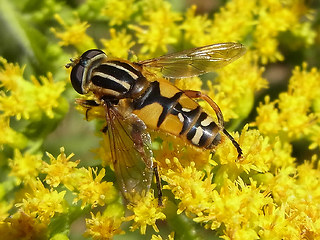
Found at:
(89, 55)
(77, 78)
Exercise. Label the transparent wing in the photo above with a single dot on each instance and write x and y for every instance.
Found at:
(131, 154)
(196, 61)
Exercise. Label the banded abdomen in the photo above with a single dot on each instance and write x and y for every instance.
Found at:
(165, 107)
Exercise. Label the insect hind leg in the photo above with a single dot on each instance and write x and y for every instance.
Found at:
(215, 107)
(205, 97)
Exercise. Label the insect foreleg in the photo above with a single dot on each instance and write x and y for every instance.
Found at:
(88, 104)
(215, 107)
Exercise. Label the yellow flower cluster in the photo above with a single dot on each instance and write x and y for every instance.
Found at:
(145, 212)
(87, 184)
(21, 99)
(42, 203)
(101, 227)
(74, 34)
(267, 194)
(293, 115)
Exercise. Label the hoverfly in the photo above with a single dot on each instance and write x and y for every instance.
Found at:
(133, 103)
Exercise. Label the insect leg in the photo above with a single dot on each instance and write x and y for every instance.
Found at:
(159, 187)
(88, 104)
(215, 107)
(234, 142)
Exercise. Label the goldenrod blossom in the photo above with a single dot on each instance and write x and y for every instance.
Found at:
(25, 99)
(74, 34)
(158, 237)
(42, 203)
(23, 226)
(197, 25)
(101, 227)
(291, 115)
(25, 167)
(158, 29)
(119, 44)
(118, 11)
(91, 188)
(60, 170)
(271, 192)
(145, 212)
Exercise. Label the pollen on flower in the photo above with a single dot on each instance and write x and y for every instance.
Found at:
(23, 226)
(291, 114)
(48, 93)
(145, 212)
(233, 21)
(102, 227)
(158, 29)
(16, 101)
(197, 25)
(238, 206)
(42, 203)
(119, 44)
(74, 34)
(257, 152)
(60, 170)
(92, 190)
(158, 237)
(189, 185)
(274, 19)
(25, 167)
(124, 10)
(235, 92)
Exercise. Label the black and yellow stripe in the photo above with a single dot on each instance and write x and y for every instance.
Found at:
(191, 124)
(159, 104)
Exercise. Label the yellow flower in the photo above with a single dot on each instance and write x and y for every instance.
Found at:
(158, 28)
(233, 21)
(92, 190)
(189, 185)
(299, 189)
(268, 194)
(276, 225)
(9, 136)
(74, 34)
(197, 25)
(291, 115)
(60, 170)
(170, 237)
(145, 212)
(276, 17)
(101, 227)
(25, 167)
(119, 11)
(42, 203)
(235, 91)
(16, 100)
(23, 226)
(119, 44)
(257, 154)
(238, 206)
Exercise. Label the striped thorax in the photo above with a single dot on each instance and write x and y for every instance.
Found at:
(94, 72)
